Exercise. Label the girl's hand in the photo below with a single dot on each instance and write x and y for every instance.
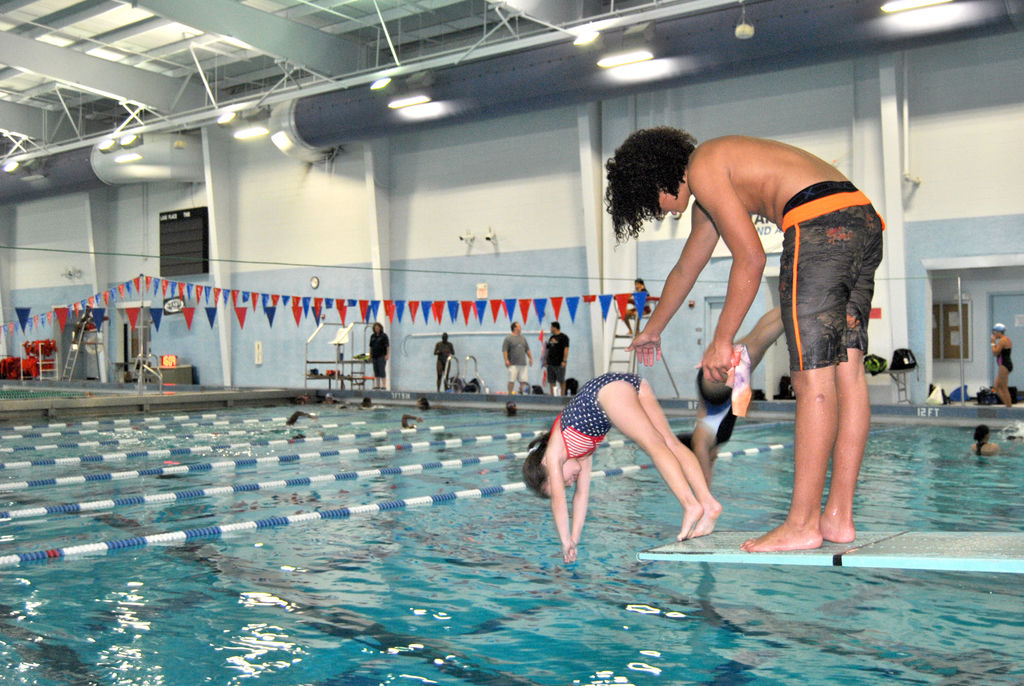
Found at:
(569, 551)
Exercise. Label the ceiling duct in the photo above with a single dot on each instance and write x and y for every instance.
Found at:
(67, 172)
(687, 49)
(161, 157)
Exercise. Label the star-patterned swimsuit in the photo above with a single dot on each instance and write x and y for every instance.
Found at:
(583, 423)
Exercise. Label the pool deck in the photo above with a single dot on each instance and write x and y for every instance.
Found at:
(118, 399)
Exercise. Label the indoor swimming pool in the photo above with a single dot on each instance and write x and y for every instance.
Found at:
(250, 549)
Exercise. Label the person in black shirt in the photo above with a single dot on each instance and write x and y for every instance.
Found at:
(380, 353)
(443, 349)
(556, 358)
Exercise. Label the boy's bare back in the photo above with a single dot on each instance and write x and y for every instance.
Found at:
(762, 174)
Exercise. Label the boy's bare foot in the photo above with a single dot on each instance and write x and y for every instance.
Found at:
(706, 524)
(836, 529)
(784, 537)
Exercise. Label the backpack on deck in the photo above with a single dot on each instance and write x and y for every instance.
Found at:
(902, 358)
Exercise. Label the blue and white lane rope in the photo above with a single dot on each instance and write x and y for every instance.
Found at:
(383, 433)
(189, 494)
(192, 493)
(242, 462)
(216, 531)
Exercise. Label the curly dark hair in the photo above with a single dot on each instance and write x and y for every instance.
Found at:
(534, 473)
(648, 161)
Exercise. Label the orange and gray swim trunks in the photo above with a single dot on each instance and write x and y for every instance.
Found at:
(831, 248)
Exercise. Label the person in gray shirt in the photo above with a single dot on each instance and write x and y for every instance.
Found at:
(516, 351)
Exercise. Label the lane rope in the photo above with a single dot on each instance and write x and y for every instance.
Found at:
(235, 464)
(219, 530)
(193, 493)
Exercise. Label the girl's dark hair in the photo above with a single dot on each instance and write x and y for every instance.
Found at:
(534, 472)
(648, 161)
(980, 434)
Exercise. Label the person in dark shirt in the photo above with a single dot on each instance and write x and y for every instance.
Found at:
(443, 350)
(556, 359)
(380, 353)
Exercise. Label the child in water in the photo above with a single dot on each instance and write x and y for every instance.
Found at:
(628, 403)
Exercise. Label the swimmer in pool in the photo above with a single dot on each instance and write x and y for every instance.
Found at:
(409, 421)
(564, 455)
(715, 415)
(981, 446)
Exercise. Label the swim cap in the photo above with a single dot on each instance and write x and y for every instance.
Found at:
(999, 327)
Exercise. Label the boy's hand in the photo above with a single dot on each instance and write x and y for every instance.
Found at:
(717, 361)
(647, 347)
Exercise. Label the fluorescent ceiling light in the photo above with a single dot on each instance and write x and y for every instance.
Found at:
(427, 110)
(622, 58)
(226, 117)
(128, 139)
(11, 165)
(409, 101)
(586, 37)
(127, 157)
(54, 39)
(380, 83)
(250, 132)
(283, 141)
(903, 5)
(105, 54)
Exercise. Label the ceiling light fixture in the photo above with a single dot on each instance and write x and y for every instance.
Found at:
(380, 83)
(227, 117)
(409, 101)
(11, 165)
(619, 59)
(744, 31)
(586, 37)
(904, 5)
(249, 132)
(130, 140)
(127, 157)
(106, 145)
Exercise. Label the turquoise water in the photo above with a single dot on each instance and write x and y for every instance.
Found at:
(473, 591)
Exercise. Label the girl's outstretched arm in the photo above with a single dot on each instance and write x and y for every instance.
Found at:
(554, 456)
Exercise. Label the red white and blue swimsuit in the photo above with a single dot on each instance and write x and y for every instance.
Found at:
(583, 423)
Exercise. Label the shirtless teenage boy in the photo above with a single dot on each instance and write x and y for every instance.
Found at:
(832, 246)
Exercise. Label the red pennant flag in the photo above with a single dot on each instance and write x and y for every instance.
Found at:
(496, 306)
(199, 293)
(414, 307)
(106, 298)
(274, 299)
(318, 306)
(437, 309)
(216, 296)
(589, 298)
(188, 312)
(133, 315)
(524, 307)
(149, 282)
(240, 313)
(121, 291)
(234, 298)
(62, 316)
(468, 306)
(138, 284)
(364, 305)
(556, 304)
(341, 306)
(297, 310)
(181, 289)
(389, 310)
(622, 300)
(163, 286)
(92, 301)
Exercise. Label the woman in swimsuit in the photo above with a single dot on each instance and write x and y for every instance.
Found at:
(563, 456)
(1001, 347)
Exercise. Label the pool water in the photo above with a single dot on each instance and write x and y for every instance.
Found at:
(473, 591)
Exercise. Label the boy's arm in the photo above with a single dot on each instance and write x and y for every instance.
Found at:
(696, 253)
(724, 209)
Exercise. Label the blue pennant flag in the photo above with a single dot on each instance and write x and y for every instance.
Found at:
(572, 303)
(606, 301)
